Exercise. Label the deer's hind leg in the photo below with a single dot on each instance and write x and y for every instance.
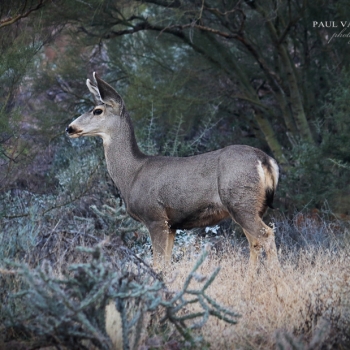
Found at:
(260, 236)
(254, 251)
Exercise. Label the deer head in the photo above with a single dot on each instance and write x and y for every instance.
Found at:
(109, 108)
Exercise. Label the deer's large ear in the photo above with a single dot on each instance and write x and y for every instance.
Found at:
(107, 94)
(94, 91)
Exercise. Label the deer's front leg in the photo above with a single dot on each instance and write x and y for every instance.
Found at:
(162, 238)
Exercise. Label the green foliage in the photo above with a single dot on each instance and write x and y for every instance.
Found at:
(17, 55)
(175, 143)
(321, 172)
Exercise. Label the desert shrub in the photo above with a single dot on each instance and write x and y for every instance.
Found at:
(156, 139)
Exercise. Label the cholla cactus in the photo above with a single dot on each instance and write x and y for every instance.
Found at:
(69, 310)
(116, 217)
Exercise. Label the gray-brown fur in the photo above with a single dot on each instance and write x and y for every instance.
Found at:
(169, 193)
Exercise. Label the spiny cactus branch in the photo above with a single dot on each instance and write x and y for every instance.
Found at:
(70, 309)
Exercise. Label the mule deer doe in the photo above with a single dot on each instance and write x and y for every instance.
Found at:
(170, 193)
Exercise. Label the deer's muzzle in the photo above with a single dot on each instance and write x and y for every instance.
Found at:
(72, 132)
(69, 130)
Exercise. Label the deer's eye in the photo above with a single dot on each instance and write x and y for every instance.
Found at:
(97, 111)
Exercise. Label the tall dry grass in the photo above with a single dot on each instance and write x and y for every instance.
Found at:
(307, 307)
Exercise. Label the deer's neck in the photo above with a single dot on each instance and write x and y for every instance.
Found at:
(123, 156)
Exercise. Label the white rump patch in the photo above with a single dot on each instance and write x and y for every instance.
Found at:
(276, 171)
(265, 176)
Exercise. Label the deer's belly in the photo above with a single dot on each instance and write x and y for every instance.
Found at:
(208, 216)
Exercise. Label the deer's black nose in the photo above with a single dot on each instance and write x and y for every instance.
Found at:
(69, 130)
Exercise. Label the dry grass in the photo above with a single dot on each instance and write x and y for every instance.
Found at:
(315, 293)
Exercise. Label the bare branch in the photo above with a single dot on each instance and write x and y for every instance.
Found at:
(8, 21)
